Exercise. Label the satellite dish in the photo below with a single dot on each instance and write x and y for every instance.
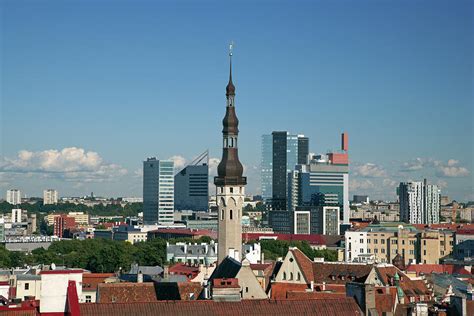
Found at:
(53, 266)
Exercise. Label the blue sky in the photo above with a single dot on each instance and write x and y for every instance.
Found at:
(91, 88)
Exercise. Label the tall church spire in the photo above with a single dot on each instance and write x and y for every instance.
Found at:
(230, 182)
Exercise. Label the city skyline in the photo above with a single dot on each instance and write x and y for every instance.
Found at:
(81, 115)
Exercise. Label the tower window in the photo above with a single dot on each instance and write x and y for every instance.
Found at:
(222, 215)
(231, 190)
(230, 214)
(284, 275)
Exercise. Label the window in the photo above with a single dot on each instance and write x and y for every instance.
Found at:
(222, 215)
(361, 241)
(382, 241)
(394, 241)
(368, 241)
(412, 242)
(376, 251)
(230, 214)
(298, 277)
(383, 250)
(88, 299)
(291, 275)
(27, 286)
(412, 252)
(284, 275)
(424, 242)
(403, 242)
(368, 250)
(231, 190)
(376, 241)
(246, 289)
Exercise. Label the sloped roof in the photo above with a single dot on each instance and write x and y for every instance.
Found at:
(340, 273)
(148, 270)
(228, 268)
(281, 289)
(385, 302)
(125, 292)
(90, 281)
(331, 307)
(304, 264)
(437, 268)
(409, 287)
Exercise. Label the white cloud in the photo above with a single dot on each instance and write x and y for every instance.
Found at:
(390, 183)
(370, 170)
(70, 164)
(413, 165)
(364, 184)
(452, 171)
(179, 162)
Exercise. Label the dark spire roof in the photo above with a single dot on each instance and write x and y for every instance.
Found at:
(230, 89)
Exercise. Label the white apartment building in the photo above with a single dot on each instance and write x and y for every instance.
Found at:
(419, 202)
(356, 246)
(50, 196)
(16, 215)
(14, 196)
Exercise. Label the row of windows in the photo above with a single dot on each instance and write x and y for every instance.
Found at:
(231, 214)
(298, 276)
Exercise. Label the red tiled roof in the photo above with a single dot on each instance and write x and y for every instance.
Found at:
(436, 268)
(189, 290)
(125, 292)
(304, 264)
(184, 231)
(91, 280)
(385, 302)
(333, 307)
(279, 290)
(182, 268)
(313, 239)
(260, 266)
(293, 295)
(340, 273)
(411, 288)
(465, 231)
(449, 226)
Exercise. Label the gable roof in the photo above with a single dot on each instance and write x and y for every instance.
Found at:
(304, 263)
(333, 307)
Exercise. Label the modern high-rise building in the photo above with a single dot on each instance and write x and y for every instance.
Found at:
(419, 202)
(322, 182)
(230, 184)
(14, 196)
(158, 191)
(191, 185)
(281, 152)
(50, 196)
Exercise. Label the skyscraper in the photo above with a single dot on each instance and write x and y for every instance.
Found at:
(324, 181)
(419, 202)
(281, 152)
(50, 196)
(191, 185)
(230, 184)
(14, 196)
(158, 191)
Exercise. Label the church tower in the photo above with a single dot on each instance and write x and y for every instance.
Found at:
(230, 184)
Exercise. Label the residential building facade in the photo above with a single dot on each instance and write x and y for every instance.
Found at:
(50, 196)
(13, 196)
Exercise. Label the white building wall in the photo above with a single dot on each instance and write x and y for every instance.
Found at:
(54, 290)
(13, 196)
(356, 244)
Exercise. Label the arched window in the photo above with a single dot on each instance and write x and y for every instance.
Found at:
(291, 275)
(222, 215)
(284, 275)
(230, 214)
(231, 142)
(298, 277)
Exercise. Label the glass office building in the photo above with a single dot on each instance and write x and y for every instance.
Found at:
(281, 152)
(158, 191)
(191, 188)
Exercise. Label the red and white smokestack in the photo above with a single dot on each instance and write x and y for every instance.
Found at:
(345, 141)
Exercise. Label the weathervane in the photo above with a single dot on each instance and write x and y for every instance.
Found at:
(231, 47)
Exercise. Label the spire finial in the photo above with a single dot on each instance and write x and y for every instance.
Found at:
(230, 89)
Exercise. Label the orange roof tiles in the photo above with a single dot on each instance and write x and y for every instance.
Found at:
(125, 292)
(304, 264)
(91, 280)
(279, 290)
(334, 307)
